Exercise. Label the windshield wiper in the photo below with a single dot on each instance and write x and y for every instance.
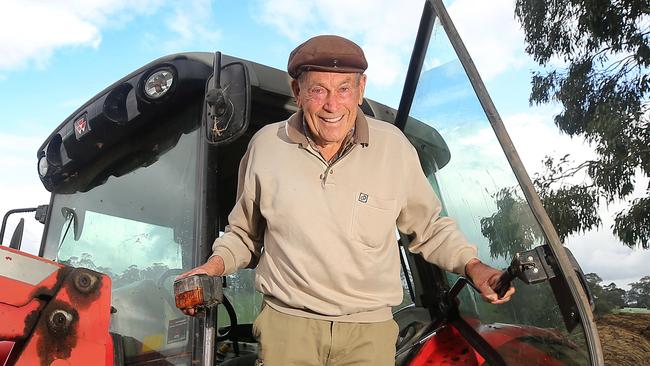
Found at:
(71, 217)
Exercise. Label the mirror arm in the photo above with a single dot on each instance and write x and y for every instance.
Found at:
(9, 213)
(216, 71)
(217, 100)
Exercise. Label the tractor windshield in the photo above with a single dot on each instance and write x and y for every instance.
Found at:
(138, 226)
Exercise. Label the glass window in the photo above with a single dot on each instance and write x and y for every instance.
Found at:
(132, 251)
(139, 228)
(246, 301)
(479, 190)
(407, 281)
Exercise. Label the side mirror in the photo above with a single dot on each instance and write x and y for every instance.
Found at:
(227, 102)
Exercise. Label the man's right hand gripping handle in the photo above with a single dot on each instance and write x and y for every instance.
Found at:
(213, 267)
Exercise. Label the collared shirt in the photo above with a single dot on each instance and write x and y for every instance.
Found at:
(298, 132)
(346, 145)
(329, 237)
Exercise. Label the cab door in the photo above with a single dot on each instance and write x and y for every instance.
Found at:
(487, 190)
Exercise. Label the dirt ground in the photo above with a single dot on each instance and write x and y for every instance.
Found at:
(625, 339)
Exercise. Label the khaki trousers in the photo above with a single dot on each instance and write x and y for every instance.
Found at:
(287, 340)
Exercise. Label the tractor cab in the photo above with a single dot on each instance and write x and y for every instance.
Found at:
(144, 175)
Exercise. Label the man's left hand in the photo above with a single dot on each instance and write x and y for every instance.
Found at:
(485, 279)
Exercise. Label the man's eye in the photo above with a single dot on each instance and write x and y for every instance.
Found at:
(317, 91)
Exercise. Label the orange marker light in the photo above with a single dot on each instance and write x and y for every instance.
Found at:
(198, 291)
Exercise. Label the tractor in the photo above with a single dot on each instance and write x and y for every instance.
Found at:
(143, 176)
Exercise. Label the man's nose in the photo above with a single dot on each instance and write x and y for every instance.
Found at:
(331, 102)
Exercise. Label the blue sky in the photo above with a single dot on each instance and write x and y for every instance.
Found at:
(58, 54)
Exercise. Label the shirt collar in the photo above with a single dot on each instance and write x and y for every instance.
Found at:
(296, 133)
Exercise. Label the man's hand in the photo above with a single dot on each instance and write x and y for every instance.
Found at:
(485, 279)
(213, 267)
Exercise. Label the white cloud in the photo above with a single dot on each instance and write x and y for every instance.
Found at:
(191, 21)
(431, 63)
(287, 16)
(599, 251)
(388, 70)
(492, 35)
(15, 153)
(20, 186)
(535, 135)
(386, 37)
(386, 31)
(18, 162)
(30, 31)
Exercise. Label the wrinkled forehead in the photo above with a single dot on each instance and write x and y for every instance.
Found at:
(328, 78)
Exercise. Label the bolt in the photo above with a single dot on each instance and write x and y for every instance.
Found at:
(535, 270)
(59, 321)
(84, 282)
(530, 258)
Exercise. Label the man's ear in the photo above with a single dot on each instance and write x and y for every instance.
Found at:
(362, 87)
(295, 88)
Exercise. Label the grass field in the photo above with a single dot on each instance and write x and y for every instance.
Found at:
(634, 311)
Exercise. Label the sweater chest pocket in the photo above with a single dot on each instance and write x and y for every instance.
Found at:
(373, 219)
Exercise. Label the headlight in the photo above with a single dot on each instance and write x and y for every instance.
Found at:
(43, 166)
(158, 83)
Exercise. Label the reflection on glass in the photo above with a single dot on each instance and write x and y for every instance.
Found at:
(137, 227)
(477, 188)
(406, 278)
(244, 298)
(133, 251)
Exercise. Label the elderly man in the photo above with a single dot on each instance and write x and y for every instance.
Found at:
(317, 192)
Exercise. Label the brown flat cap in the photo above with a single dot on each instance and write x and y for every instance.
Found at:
(327, 53)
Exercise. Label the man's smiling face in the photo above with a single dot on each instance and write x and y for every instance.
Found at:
(329, 102)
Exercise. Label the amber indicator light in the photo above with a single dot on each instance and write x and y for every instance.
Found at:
(189, 299)
(197, 291)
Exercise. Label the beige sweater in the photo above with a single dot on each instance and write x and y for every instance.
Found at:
(328, 232)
